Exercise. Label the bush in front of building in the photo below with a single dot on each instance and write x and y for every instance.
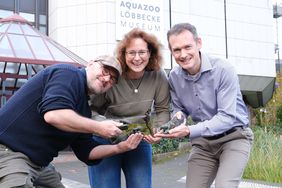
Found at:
(167, 145)
(279, 116)
(271, 114)
(266, 156)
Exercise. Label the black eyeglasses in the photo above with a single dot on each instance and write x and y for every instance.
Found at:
(106, 71)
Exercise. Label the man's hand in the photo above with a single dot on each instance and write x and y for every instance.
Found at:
(108, 129)
(176, 120)
(130, 143)
(177, 132)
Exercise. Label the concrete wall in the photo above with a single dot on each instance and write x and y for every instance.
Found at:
(84, 27)
(88, 28)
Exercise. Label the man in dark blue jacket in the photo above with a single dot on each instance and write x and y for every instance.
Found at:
(51, 112)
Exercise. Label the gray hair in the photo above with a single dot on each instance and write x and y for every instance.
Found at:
(179, 28)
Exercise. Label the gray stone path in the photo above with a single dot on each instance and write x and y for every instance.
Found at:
(246, 184)
(167, 174)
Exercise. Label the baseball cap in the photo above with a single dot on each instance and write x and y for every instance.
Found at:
(110, 61)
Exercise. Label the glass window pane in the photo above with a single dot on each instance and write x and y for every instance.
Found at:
(15, 28)
(6, 50)
(1, 66)
(43, 30)
(43, 6)
(39, 48)
(27, 6)
(21, 47)
(5, 13)
(28, 30)
(22, 69)
(12, 68)
(42, 19)
(28, 17)
(3, 28)
(58, 55)
(36, 68)
(7, 4)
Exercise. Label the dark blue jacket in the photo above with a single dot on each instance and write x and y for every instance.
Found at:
(22, 126)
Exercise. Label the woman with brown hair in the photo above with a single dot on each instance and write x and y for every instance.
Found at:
(142, 87)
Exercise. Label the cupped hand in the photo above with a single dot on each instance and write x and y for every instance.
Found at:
(131, 142)
(152, 139)
(177, 132)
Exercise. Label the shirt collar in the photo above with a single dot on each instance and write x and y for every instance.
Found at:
(205, 63)
(205, 66)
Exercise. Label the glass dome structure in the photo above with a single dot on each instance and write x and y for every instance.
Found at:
(24, 51)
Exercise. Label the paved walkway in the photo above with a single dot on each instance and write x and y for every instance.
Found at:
(165, 174)
(244, 184)
(247, 184)
(73, 184)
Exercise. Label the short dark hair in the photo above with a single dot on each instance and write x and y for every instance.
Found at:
(179, 28)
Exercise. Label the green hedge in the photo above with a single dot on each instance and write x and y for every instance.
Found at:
(279, 115)
(167, 145)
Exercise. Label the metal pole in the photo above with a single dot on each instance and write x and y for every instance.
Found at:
(278, 54)
(3, 97)
(169, 6)
(29, 71)
(277, 40)
(225, 22)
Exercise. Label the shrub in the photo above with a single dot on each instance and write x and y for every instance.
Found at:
(279, 115)
(271, 114)
(167, 145)
(266, 156)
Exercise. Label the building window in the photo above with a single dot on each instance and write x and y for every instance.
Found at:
(34, 11)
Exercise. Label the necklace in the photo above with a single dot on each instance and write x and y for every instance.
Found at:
(136, 89)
